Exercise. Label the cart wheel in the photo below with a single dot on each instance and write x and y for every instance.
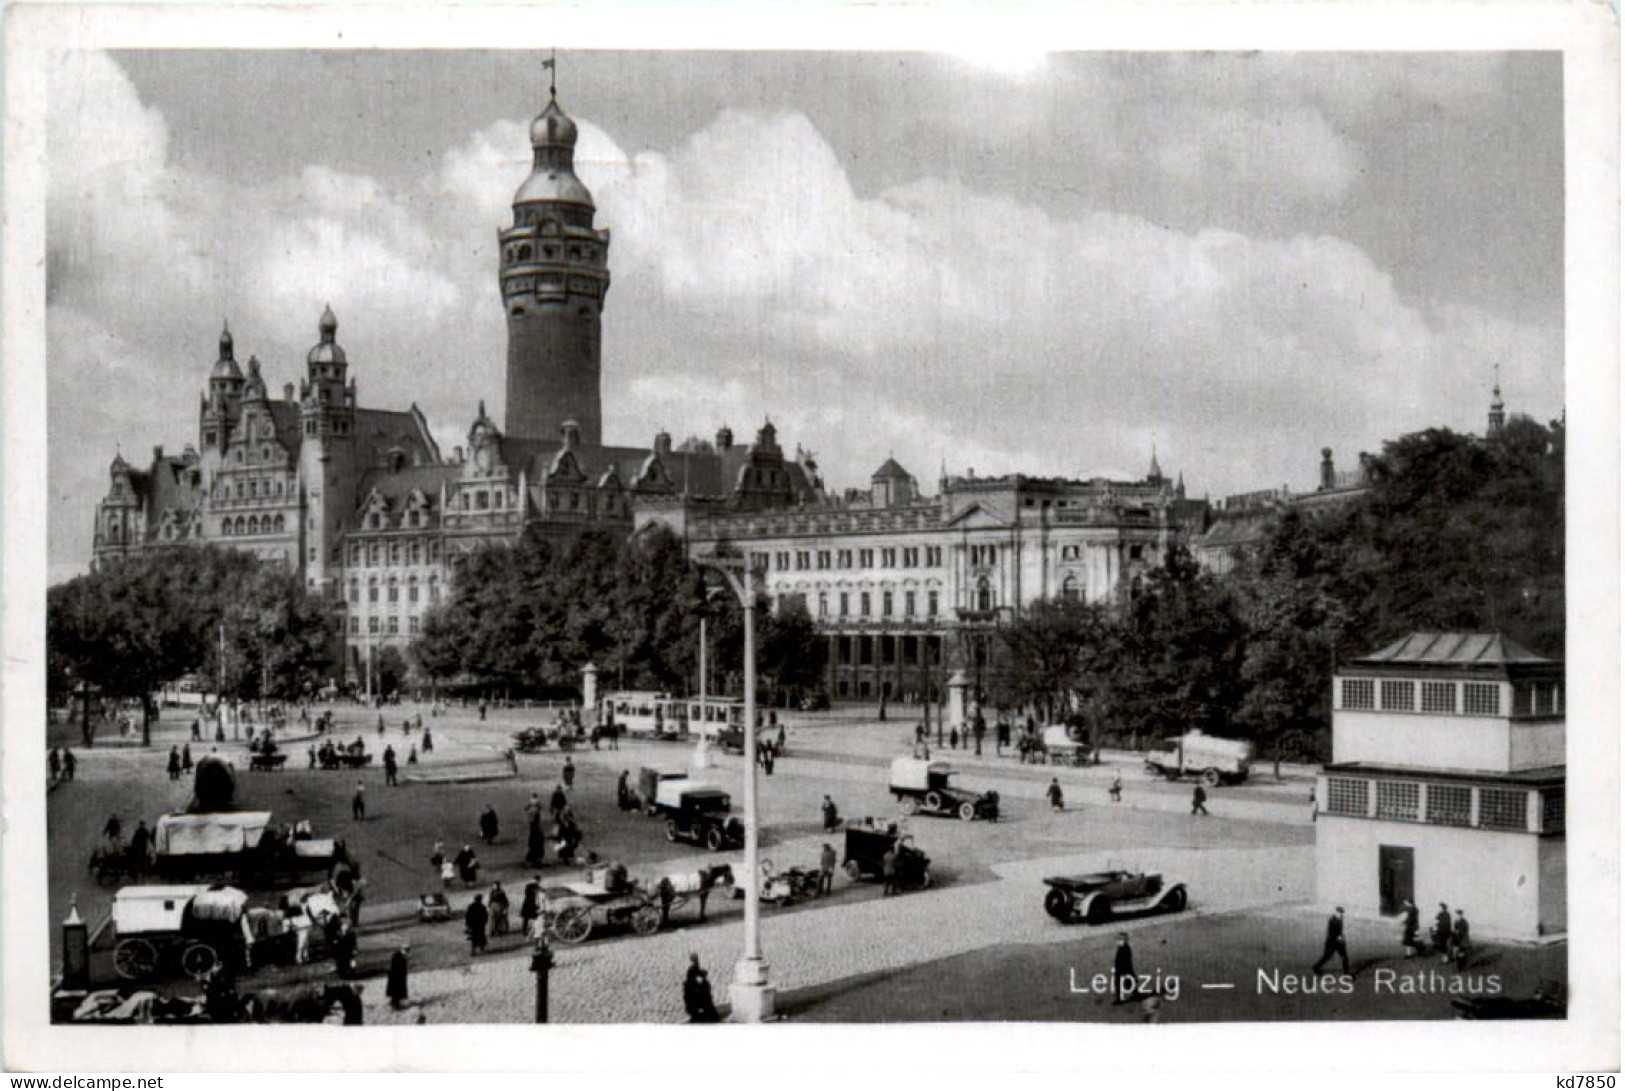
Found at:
(135, 959)
(1100, 911)
(714, 839)
(646, 920)
(199, 960)
(1058, 904)
(911, 805)
(967, 812)
(1175, 901)
(573, 925)
(671, 829)
(1210, 777)
(933, 801)
(854, 871)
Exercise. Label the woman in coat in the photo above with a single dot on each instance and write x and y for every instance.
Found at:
(395, 987)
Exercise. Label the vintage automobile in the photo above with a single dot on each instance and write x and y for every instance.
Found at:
(606, 898)
(1102, 895)
(699, 813)
(1217, 761)
(196, 928)
(867, 843)
(922, 787)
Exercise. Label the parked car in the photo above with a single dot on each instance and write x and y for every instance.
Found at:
(867, 844)
(1102, 895)
(699, 813)
(1217, 761)
(922, 787)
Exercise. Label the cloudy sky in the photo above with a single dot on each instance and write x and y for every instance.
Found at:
(1043, 264)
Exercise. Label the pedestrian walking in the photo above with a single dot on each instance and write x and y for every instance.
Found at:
(979, 731)
(474, 921)
(832, 817)
(1199, 800)
(140, 841)
(697, 1001)
(1441, 932)
(530, 905)
(1409, 939)
(779, 743)
(569, 774)
(767, 760)
(953, 738)
(53, 763)
(406, 727)
(482, 710)
(468, 865)
(488, 824)
(1117, 788)
(411, 755)
(174, 763)
(888, 872)
(1123, 982)
(1053, 793)
(381, 723)
(113, 831)
(186, 757)
(536, 843)
(344, 950)
(498, 902)
(624, 798)
(395, 986)
(1335, 943)
(69, 764)
(1459, 936)
(428, 741)
(557, 802)
(390, 768)
(826, 870)
(197, 731)
(358, 802)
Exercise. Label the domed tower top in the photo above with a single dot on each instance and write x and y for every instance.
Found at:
(553, 173)
(226, 367)
(327, 350)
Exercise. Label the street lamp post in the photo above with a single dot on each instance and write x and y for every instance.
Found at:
(751, 994)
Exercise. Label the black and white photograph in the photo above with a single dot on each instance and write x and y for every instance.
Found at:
(552, 525)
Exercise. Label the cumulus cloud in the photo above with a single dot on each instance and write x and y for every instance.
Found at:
(933, 320)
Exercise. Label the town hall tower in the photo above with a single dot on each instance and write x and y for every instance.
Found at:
(554, 274)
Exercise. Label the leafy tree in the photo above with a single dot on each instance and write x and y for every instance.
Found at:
(1055, 650)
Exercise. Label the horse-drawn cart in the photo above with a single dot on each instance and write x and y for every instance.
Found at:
(606, 899)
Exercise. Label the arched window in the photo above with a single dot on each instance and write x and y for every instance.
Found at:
(395, 553)
(984, 594)
(1069, 589)
(281, 524)
(253, 524)
(524, 253)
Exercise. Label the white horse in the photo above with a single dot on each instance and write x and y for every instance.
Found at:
(675, 890)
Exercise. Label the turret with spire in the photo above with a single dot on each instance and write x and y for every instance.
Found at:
(1498, 409)
(554, 273)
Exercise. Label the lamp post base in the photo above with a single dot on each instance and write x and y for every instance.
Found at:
(750, 994)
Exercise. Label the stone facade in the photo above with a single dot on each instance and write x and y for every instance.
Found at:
(908, 587)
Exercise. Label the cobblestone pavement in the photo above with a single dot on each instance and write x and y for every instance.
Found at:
(638, 980)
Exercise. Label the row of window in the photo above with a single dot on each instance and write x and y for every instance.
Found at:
(1407, 695)
(253, 488)
(1442, 804)
(823, 560)
(865, 601)
(253, 524)
(412, 520)
(523, 252)
(375, 554)
(390, 626)
(393, 589)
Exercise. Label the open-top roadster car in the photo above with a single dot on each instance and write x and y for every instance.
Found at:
(1102, 895)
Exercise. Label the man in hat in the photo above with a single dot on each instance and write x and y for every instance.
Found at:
(1335, 944)
(475, 920)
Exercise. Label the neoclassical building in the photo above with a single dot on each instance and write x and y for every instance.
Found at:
(907, 586)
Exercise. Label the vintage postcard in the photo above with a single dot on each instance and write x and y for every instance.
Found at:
(1056, 523)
